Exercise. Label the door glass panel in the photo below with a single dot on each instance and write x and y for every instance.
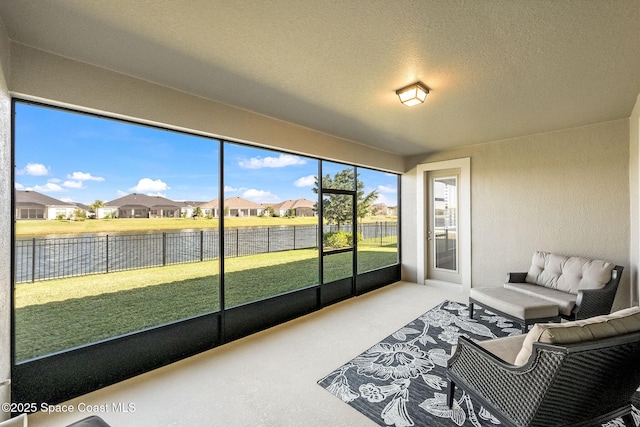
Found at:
(337, 210)
(445, 226)
(338, 193)
(337, 266)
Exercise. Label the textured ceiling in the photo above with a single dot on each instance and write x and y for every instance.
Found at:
(496, 69)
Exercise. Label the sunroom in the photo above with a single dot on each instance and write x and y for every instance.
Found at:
(530, 126)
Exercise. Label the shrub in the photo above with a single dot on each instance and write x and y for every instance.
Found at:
(339, 239)
(336, 239)
(79, 215)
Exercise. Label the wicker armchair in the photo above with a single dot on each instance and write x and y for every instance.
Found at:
(578, 384)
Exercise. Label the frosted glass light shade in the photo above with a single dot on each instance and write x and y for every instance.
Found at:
(413, 94)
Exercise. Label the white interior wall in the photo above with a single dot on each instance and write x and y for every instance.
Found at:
(634, 201)
(6, 186)
(565, 192)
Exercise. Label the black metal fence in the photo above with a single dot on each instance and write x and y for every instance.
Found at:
(53, 258)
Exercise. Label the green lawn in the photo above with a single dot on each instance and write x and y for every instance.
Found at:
(58, 314)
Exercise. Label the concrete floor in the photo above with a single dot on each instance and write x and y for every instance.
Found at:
(267, 379)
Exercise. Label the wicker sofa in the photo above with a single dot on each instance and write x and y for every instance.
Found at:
(554, 287)
(579, 373)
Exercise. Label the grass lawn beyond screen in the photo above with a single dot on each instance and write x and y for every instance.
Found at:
(59, 314)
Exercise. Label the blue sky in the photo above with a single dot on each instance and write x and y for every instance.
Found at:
(80, 158)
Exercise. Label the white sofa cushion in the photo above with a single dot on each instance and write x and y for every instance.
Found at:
(619, 323)
(564, 300)
(568, 274)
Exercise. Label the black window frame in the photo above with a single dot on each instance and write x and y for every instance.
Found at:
(70, 373)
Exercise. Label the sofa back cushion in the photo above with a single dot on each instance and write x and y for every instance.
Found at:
(619, 323)
(568, 274)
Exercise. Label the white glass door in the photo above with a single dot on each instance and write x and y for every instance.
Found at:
(442, 226)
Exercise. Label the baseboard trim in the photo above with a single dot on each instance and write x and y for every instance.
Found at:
(443, 284)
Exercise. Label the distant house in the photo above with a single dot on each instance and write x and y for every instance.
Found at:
(380, 209)
(210, 208)
(106, 212)
(233, 207)
(141, 206)
(188, 208)
(237, 206)
(34, 205)
(299, 207)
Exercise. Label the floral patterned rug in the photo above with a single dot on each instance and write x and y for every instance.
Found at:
(401, 381)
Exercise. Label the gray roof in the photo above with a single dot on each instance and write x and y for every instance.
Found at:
(232, 203)
(142, 200)
(24, 197)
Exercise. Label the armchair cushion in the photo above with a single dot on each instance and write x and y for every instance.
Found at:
(568, 274)
(505, 348)
(618, 323)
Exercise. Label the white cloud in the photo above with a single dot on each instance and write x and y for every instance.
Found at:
(229, 189)
(49, 187)
(271, 162)
(387, 194)
(121, 193)
(148, 185)
(72, 184)
(389, 201)
(386, 189)
(305, 181)
(82, 176)
(260, 196)
(34, 169)
(19, 186)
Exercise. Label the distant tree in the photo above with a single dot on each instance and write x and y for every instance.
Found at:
(337, 208)
(79, 215)
(268, 212)
(93, 207)
(197, 212)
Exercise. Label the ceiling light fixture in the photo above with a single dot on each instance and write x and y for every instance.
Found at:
(413, 94)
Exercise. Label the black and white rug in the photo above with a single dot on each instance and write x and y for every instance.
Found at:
(401, 380)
